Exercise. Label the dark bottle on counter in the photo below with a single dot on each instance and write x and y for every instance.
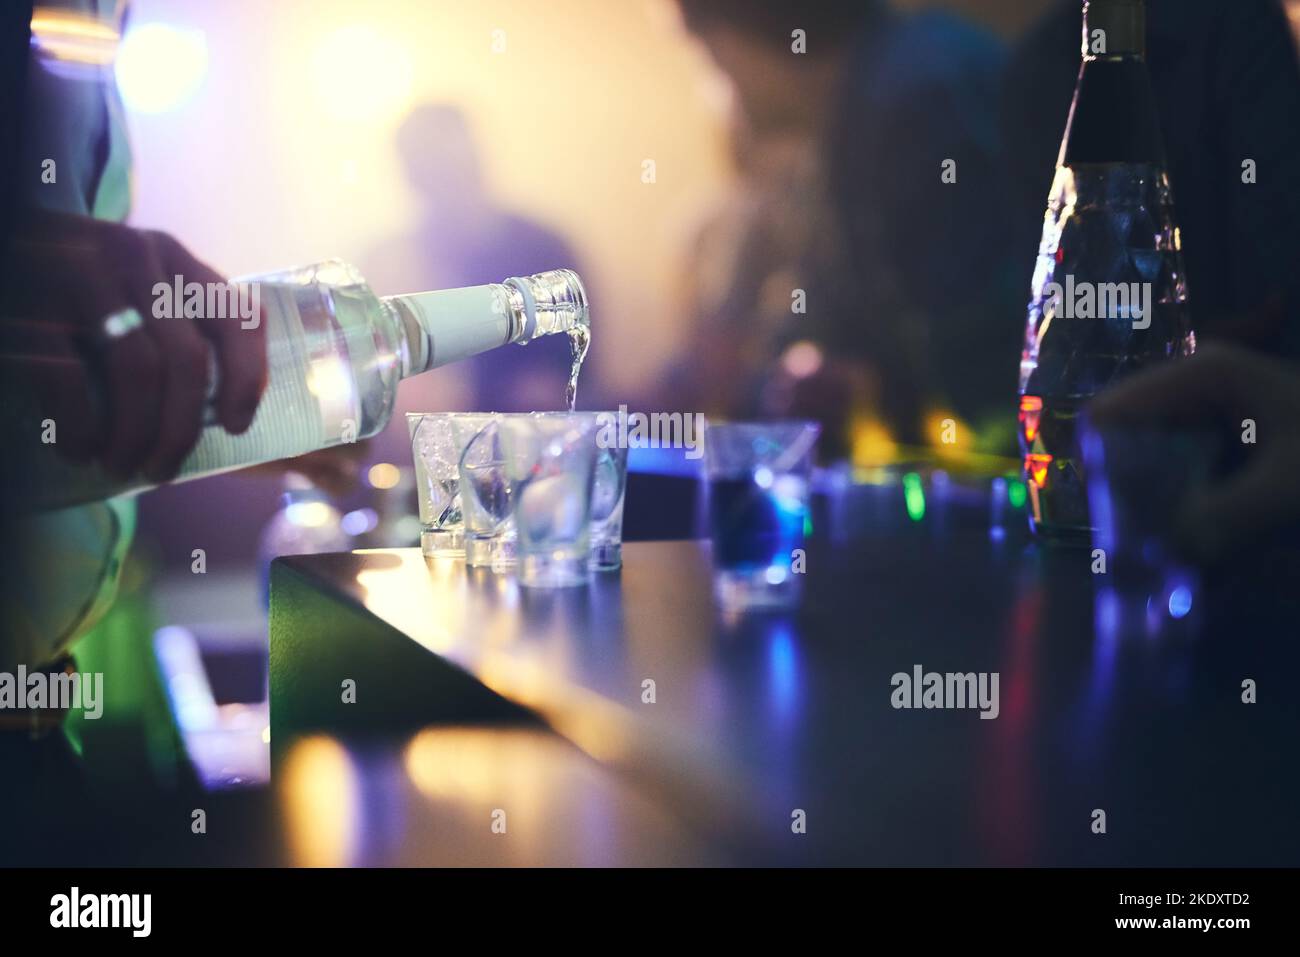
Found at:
(1109, 294)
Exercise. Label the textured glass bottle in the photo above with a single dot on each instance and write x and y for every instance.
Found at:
(335, 354)
(1109, 292)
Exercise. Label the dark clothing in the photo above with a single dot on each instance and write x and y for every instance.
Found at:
(936, 310)
(15, 37)
(930, 283)
(907, 277)
(1227, 88)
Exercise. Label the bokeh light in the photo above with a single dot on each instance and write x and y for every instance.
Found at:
(384, 475)
(160, 67)
(361, 76)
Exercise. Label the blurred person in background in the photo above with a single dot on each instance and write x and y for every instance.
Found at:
(1293, 12)
(466, 237)
(910, 308)
(916, 289)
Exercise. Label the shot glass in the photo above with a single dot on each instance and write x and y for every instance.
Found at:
(486, 492)
(437, 478)
(551, 462)
(607, 491)
(1138, 483)
(758, 490)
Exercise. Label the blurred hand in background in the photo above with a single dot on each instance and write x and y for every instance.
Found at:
(1217, 390)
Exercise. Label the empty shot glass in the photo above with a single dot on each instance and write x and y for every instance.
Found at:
(437, 478)
(551, 462)
(486, 494)
(608, 489)
(758, 480)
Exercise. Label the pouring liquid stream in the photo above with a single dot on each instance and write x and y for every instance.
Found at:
(579, 343)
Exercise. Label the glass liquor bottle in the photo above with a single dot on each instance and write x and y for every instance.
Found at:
(1109, 294)
(335, 355)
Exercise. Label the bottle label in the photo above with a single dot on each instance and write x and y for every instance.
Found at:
(462, 322)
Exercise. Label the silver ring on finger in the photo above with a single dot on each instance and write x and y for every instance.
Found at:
(118, 325)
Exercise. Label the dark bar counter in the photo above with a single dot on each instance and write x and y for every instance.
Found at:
(632, 721)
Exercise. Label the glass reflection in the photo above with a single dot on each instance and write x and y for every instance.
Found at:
(321, 796)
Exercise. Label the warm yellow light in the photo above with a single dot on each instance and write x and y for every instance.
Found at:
(388, 593)
(384, 475)
(73, 37)
(472, 764)
(310, 514)
(321, 803)
(947, 433)
(872, 444)
(47, 22)
(328, 379)
(360, 76)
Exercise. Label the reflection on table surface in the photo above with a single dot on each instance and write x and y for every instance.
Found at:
(754, 723)
(474, 696)
(468, 795)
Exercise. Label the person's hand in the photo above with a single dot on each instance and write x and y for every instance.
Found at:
(1218, 389)
(132, 398)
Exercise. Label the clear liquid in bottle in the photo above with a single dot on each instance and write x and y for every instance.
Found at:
(336, 353)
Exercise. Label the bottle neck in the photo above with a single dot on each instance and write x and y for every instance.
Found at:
(1113, 118)
(437, 328)
(547, 303)
(1114, 29)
